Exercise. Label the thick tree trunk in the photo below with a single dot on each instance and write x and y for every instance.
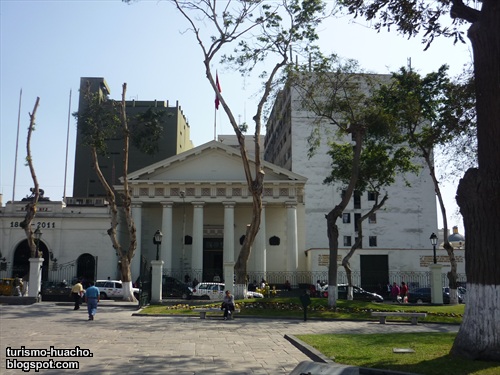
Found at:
(128, 295)
(478, 197)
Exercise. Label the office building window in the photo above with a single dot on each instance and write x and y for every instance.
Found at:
(373, 241)
(357, 217)
(346, 218)
(347, 241)
(357, 199)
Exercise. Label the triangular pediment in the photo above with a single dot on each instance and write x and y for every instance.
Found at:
(210, 162)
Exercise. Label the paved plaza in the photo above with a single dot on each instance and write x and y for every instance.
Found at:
(119, 343)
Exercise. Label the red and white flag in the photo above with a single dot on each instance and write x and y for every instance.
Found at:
(217, 101)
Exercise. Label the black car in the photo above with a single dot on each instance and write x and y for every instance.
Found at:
(423, 295)
(358, 294)
(173, 288)
(56, 291)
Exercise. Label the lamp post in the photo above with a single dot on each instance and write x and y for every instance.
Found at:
(157, 241)
(38, 236)
(434, 241)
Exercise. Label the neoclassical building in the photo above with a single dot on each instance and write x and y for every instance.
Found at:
(200, 202)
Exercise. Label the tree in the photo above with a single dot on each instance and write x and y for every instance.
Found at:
(429, 111)
(383, 157)
(31, 206)
(339, 94)
(100, 120)
(258, 32)
(477, 193)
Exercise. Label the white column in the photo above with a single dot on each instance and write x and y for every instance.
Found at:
(135, 265)
(228, 243)
(35, 282)
(197, 249)
(259, 247)
(436, 284)
(291, 237)
(166, 229)
(156, 279)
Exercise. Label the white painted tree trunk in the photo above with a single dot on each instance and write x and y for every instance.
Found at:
(128, 294)
(480, 328)
(350, 290)
(454, 297)
(240, 291)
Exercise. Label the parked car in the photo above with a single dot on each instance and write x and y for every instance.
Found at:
(113, 289)
(56, 291)
(423, 295)
(215, 291)
(358, 294)
(174, 288)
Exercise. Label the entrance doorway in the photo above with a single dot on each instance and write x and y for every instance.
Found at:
(21, 264)
(374, 273)
(213, 259)
(86, 267)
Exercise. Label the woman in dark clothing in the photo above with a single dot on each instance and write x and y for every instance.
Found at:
(228, 304)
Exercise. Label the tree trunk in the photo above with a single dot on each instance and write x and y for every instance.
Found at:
(128, 295)
(126, 274)
(32, 204)
(479, 199)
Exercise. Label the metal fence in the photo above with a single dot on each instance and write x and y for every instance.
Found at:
(301, 279)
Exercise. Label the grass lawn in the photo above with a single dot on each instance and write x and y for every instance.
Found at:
(376, 351)
(291, 308)
(373, 351)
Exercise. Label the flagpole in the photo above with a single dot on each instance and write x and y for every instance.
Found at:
(67, 142)
(215, 124)
(17, 145)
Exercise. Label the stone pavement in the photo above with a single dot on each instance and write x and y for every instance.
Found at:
(126, 344)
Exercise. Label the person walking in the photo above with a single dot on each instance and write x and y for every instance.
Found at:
(76, 294)
(404, 292)
(228, 304)
(92, 297)
(395, 292)
(305, 299)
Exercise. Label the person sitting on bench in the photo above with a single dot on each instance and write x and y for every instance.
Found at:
(227, 304)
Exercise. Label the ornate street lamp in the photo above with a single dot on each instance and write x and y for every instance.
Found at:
(38, 236)
(434, 241)
(157, 241)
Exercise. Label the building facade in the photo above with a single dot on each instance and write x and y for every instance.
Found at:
(395, 239)
(200, 202)
(174, 139)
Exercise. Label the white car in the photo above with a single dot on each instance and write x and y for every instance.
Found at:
(112, 289)
(216, 291)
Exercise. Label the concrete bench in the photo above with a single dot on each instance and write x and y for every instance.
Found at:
(203, 311)
(384, 314)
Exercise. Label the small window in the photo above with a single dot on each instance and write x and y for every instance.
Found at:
(372, 219)
(357, 217)
(118, 285)
(373, 241)
(357, 199)
(346, 218)
(347, 241)
(372, 195)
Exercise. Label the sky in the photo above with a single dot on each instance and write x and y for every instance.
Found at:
(46, 46)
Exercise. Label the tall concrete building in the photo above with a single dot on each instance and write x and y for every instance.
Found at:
(174, 139)
(390, 237)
